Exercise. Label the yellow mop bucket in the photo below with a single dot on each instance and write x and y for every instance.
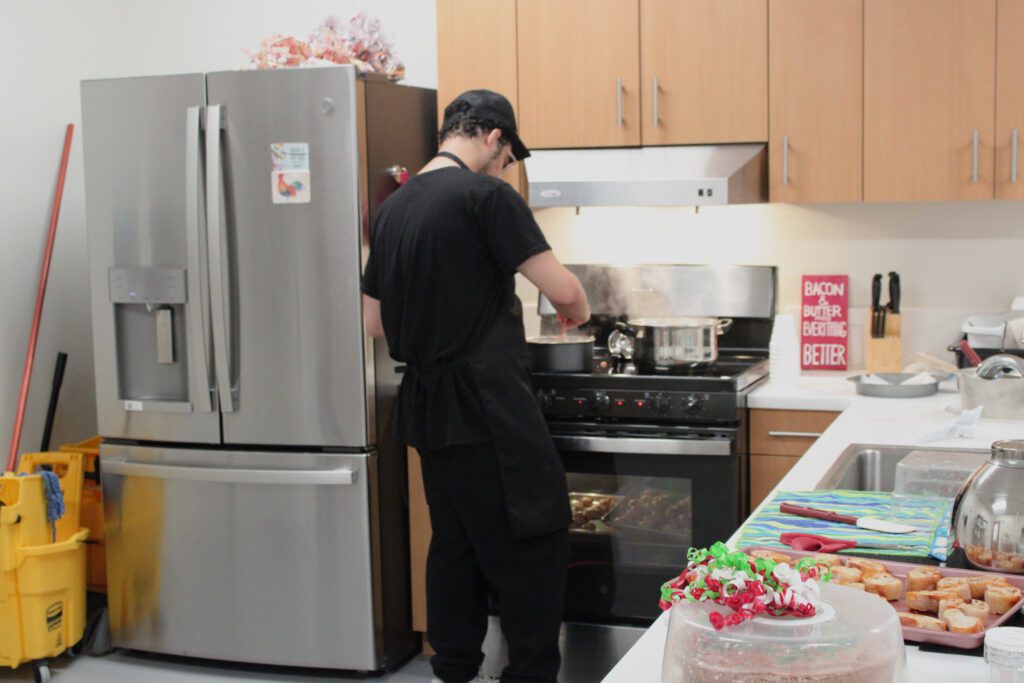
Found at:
(91, 513)
(42, 578)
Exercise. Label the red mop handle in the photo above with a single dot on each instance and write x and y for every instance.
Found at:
(12, 459)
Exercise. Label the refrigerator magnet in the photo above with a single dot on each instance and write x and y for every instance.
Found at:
(290, 187)
(289, 156)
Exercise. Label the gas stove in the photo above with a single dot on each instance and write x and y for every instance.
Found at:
(708, 394)
(703, 394)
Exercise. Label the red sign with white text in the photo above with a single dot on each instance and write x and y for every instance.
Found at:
(823, 322)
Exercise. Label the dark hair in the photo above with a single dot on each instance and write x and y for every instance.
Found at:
(457, 123)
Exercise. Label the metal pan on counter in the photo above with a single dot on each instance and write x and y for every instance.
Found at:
(894, 386)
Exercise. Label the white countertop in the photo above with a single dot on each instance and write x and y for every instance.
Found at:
(812, 391)
(878, 421)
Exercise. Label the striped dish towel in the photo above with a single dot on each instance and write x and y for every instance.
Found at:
(929, 515)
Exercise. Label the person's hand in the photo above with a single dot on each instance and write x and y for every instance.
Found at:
(568, 323)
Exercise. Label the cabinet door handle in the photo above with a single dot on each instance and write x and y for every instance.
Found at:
(785, 160)
(655, 101)
(974, 156)
(1013, 156)
(618, 97)
(799, 435)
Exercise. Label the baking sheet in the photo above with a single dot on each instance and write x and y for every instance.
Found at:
(962, 641)
(671, 529)
(600, 526)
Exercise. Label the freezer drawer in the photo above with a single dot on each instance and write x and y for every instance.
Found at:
(248, 556)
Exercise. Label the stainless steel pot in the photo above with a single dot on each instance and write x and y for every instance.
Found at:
(988, 513)
(668, 343)
(555, 353)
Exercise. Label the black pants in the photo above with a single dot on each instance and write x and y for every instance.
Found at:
(473, 553)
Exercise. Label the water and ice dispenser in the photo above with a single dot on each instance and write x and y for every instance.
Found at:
(149, 320)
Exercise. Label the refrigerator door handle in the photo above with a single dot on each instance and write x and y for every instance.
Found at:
(337, 477)
(197, 278)
(220, 286)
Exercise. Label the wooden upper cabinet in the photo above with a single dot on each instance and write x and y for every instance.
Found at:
(929, 93)
(579, 72)
(476, 48)
(1010, 100)
(704, 67)
(815, 100)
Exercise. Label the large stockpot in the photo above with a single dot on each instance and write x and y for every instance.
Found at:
(556, 353)
(668, 343)
(988, 513)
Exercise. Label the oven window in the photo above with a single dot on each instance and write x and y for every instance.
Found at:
(628, 534)
(647, 521)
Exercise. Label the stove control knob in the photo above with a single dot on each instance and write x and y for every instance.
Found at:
(658, 404)
(544, 399)
(692, 403)
(601, 402)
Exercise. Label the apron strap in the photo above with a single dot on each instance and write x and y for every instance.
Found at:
(449, 155)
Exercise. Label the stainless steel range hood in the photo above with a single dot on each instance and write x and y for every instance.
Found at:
(697, 175)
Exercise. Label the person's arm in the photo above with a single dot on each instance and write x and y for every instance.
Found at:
(561, 287)
(371, 317)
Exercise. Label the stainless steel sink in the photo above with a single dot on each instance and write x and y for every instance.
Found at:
(863, 467)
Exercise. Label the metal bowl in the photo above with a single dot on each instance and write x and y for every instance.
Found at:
(895, 389)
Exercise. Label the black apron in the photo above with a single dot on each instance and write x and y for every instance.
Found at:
(504, 411)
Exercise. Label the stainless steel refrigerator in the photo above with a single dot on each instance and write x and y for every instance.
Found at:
(255, 499)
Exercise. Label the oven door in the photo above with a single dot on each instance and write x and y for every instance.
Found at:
(640, 501)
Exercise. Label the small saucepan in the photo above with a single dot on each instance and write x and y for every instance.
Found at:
(557, 353)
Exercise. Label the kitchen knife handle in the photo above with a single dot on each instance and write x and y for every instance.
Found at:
(618, 98)
(655, 89)
(785, 160)
(974, 156)
(815, 513)
(894, 292)
(219, 281)
(1013, 156)
(197, 309)
(876, 297)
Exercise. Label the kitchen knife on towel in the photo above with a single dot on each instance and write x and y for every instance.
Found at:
(870, 523)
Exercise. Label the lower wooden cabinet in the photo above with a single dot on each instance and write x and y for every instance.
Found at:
(765, 472)
(778, 439)
(419, 542)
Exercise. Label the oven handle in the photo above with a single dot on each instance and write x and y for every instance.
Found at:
(642, 446)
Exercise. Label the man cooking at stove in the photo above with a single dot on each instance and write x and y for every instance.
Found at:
(439, 285)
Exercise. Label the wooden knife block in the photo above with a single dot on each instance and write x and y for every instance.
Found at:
(884, 354)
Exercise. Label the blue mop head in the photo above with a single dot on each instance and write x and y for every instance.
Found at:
(54, 499)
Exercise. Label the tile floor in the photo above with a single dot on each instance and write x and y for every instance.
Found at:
(589, 652)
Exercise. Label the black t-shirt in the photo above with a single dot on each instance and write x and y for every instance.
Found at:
(445, 249)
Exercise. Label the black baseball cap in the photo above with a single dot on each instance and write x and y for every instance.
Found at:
(487, 104)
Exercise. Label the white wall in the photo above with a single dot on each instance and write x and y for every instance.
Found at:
(49, 47)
